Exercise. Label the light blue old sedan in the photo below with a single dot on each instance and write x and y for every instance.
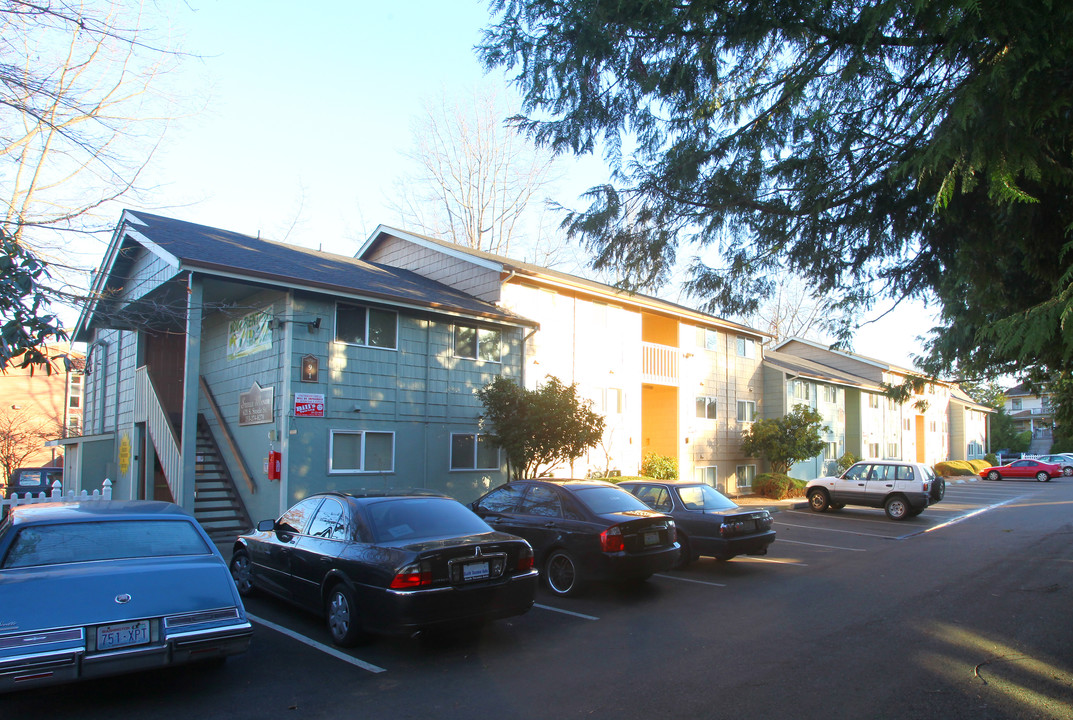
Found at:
(102, 587)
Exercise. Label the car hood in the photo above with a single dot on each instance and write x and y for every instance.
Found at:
(85, 593)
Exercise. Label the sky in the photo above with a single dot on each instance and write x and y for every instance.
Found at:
(291, 123)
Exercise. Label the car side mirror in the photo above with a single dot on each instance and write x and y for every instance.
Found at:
(266, 525)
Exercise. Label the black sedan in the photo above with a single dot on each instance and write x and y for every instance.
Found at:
(583, 530)
(387, 564)
(709, 523)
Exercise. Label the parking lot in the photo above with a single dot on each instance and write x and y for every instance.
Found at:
(806, 541)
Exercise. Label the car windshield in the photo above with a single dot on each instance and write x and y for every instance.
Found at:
(420, 518)
(610, 499)
(112, 540)
(704, 497)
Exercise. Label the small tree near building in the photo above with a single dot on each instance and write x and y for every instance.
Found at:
(22, 435)
(782, 441)
(539, 429)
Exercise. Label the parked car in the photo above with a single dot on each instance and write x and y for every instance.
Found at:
(902, 489)
(34, 480)
(583, 530)
(394, 564)
(1026, 468)
(1062, 460)
(105, 587)
(708, 522)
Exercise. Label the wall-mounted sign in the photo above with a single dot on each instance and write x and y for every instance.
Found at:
(255, 406)
(308, 405)
(124, 454)
(249, 335)
(310, 368)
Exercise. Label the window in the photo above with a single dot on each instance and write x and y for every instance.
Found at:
(543, 501)
(890, 404)
(892, 450)
(708, 476)
(654, 496)
(746, 348)
(357, 325)
(706, 407)
(473, 451)
(746, 474)
(74, 402)
(71, 542)
(330, 522)
(746, 410)
(873, 450)
(1016, 403)
(477, 343)
(830, 394)
(908, 424)
(361, 452)
(296, 520)
(799, 390)
(611, 401)
(830, 451)
(708, 338)
(873, 400)
(504, 499)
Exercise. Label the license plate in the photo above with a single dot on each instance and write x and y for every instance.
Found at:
(122, 635)
(651, 538)
(475, 571)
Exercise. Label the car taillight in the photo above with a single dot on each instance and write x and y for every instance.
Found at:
(414, 575)
(525, 559)
(611, 540)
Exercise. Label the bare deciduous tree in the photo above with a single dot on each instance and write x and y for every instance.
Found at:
(794, 311)
(477, 181)
(22, 434)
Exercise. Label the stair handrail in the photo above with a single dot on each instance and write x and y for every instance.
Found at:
(227, 435)
(149, 410)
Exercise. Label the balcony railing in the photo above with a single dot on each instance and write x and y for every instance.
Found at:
(659, 364)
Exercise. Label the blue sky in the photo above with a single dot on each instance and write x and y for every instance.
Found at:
(294, 117)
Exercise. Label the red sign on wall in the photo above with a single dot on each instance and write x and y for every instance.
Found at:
(308, 405)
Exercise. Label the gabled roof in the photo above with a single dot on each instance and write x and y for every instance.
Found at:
(809, 370)
(509, 266)
(850, 355)
(189, 246)
(1023, 390)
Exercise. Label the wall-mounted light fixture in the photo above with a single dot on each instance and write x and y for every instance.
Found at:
(314, 325)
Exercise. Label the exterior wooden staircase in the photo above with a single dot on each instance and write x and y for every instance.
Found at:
(217, 504)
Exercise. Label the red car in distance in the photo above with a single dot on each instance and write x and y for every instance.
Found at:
(1041, 471)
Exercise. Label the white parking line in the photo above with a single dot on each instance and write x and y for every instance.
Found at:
(835, 530)
(565, 612)
(958, 519)
(689, 580)
(319, 646)
(771, 560)
(839, 517)
(831, 547)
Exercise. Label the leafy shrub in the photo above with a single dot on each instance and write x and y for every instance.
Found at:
(660, 467)
(951, 468)
(991, 459)
(776, 486)
(846, 461)
(979, 465)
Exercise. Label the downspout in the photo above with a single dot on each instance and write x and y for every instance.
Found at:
(99, 386)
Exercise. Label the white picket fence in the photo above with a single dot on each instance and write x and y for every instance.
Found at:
(57, 495)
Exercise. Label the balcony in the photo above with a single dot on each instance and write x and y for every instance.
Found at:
(659, 364)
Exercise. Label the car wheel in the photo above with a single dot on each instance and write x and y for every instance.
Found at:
(1042, 476)
(561, 574)
(685, 554)
(1067, 470)
(993, 475)
(938, 490)
(242, 573)
(897, 507)
(341, 613)
(817, 500)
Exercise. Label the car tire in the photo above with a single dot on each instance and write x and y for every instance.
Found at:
(242, 573)
(938, 490)
(561, 574)
(1067, 470)
(994, 475)
(341, 614)
(897, 507)
(685, 554)
(818, 500)
(1042, 477)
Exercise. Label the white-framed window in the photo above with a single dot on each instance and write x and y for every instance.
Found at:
(800, 390)
(611, 401)
(830, 394)
(873, 400)
(892, 450)
(478, 343)
(1016, 404)
(474, 451)
(830, 451)
(74, 425)
(745, 475)
(707, 407)
(372, 327)
(890, 404)
(908, 424)
(708, 475)
(708, 338)
(873, 450)
(975, 448)
(746, 348)
(746, 411)
(354, 451)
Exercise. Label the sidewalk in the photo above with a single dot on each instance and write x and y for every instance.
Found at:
(753, 502)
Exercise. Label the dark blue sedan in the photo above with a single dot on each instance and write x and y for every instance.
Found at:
(709, 523)
(102, 587)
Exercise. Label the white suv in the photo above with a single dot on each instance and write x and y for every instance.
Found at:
(901, 488)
